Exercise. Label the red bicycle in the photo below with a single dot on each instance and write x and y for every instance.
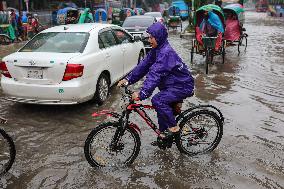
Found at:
(118, 142)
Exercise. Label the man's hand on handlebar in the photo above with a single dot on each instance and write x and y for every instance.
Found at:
(122, 82)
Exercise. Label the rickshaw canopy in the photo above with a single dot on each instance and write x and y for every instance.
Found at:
(100, 15)
(116, 11)
(237, 8)
(210, 7)
(174, 11)
(63, 13)
(128, 12)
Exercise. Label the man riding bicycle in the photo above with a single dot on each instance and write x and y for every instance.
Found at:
(163, 69)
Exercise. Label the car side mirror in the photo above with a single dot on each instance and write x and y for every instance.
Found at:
(137, 38)
(144, 38)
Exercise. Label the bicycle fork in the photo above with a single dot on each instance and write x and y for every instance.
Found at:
(115, 144)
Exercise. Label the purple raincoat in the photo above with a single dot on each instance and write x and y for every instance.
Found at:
(165, 70)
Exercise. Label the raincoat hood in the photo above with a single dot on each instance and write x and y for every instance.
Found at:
(159, 32)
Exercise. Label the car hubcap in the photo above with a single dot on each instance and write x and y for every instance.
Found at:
(103, 89)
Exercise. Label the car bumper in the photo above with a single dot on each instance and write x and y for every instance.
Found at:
(65, 93)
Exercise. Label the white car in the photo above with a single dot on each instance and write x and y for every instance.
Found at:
(70, 64)
(157, 15)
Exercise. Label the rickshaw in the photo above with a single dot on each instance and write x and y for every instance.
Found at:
(101, 16)
(126, 12)
(139, 11)
(7, 32)
(174, 20)
(235, 32)
(205, 44)
(67, 15)
(115, 19)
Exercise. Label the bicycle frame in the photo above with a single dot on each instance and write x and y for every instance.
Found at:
(124, 117)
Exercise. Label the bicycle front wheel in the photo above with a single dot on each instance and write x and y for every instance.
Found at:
(201, 132)
(7, 152)
(100, 152)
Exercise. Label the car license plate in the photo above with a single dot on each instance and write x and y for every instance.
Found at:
(35, 73)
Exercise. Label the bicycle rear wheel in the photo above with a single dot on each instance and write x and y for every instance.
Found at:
(201, 132)
(7, 152)
(100, 153)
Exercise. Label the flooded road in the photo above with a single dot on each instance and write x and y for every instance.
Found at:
(247, 88)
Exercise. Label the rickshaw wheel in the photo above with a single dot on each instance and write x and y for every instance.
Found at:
(192, 50)
(209, 59)
(223, 51)
(242, 42)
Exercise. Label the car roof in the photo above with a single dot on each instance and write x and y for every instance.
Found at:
(87, 27)
(140, 17)
(152, 12)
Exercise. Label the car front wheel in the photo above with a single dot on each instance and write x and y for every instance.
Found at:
(102, 89)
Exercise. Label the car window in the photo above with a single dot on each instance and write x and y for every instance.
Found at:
(57, 42)
(122, 36)
(101, 45)
(107, 38)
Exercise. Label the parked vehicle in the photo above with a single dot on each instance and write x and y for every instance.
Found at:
(115, 19)
(70, 64)
(137, 26)
(183, 8)
(125, 12)
(67, 15)
(101, 16)
(157, 15)
(235, 32)
(139, 11)
(7, 32)
(174, 20)
(261, 6)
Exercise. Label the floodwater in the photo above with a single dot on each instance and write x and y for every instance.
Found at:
(247, 88)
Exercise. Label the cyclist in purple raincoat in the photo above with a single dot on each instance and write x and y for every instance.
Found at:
(163, 69)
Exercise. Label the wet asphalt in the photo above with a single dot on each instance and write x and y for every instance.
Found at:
(248, 89)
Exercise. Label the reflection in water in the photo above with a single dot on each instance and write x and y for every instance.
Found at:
(247, 88)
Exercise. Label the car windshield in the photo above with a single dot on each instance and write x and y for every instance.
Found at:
(57, 42)
(155, 14)
(142, 22)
